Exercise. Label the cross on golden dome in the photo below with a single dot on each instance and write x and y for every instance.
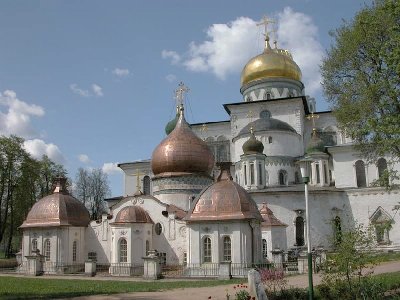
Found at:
(265, 21)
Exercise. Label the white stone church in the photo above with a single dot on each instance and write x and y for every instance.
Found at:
(180, 203)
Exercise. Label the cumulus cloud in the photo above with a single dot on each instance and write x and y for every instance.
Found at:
(77, 90)
(170, 78)
(84, 158)
(228, 47)
(16, 117)
(298, 34)
(111, 168)
(37, 148)
(97, 90)
(174, 56)
(120, 72)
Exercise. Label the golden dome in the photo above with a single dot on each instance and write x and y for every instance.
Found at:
(132, 214)
(181, 152)
(224, 200)
(57, 209)
(272, 63)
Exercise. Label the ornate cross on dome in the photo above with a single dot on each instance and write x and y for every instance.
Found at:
(265, 21)
(204, 130)
(313, 117)
(180, 93)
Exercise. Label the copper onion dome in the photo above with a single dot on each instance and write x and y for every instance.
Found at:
(252, 145)
(182, 152)
(132, 214)
(272, 63)
(57, 209)
(224, 200)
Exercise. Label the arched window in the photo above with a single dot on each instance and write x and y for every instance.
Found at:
(245, 174)
(74, 249)
(221, 153)
(251, 173)
(268, 96)
(270, 140)
(227, 249)
(47, 249)
(299, 231)
(34, 245)
(123, 250)
(260, 177)
(264, 248)
(146, 185)
(337, 230)
(147, 247)
(360, 174)
(207, 256)
(282, 177)
(382, 167)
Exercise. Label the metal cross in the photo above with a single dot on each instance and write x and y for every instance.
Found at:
(265, 21)
(180, 93)
(313, 117)
(203, 129)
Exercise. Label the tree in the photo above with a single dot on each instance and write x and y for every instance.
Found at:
(23, 180)
(361, 79)
(91, 187)
(347, 275)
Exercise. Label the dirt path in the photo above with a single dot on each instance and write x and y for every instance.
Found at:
(219, 292)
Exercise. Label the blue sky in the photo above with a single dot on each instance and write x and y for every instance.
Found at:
(90, 83)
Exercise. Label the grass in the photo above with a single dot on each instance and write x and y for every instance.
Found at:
(48, 288)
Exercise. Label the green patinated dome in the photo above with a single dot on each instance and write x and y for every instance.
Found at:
(252, 145)
(171, 125)
(316, 144)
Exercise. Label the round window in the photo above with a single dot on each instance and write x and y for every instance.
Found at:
(158, 228)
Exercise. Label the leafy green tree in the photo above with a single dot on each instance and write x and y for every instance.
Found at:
(361, 79)
(348, 268)
(23, 180)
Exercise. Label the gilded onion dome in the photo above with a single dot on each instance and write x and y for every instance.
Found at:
(132, 214)
(252, 145)
(181, 152)
(272, 63)
(224, 200)
(57, 209)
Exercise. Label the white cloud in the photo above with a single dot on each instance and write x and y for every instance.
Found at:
(17, 117)
(170, 78)
(174, 56)
(111, 168)
(121, 72)
(37, 148)
(84, 158)
(228, 47)
(97, 90)
(74, 88)
(298, 33)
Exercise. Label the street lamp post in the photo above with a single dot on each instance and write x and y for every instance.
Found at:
(305, 173)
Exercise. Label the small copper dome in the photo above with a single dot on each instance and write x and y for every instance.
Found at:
(224, 200)
(269, 218)
(57, 209)
(182, 152)
(132, 214)
(252, 145)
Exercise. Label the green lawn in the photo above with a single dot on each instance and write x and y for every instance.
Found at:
(48, 288)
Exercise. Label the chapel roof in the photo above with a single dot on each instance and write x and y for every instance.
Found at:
(224, 200)
(57, 209)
